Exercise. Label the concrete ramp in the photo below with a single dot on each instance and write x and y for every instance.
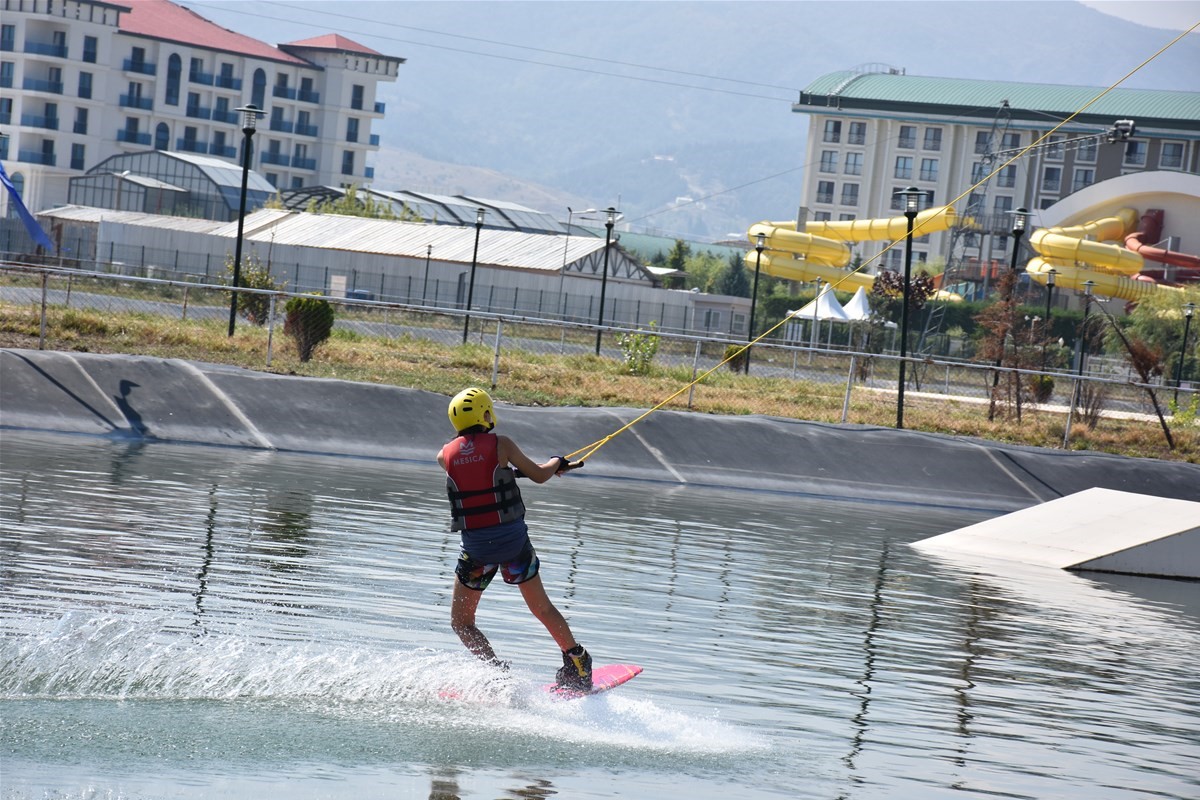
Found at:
(1102, 530)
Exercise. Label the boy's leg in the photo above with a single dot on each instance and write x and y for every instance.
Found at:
(462, 619)
(539, 604)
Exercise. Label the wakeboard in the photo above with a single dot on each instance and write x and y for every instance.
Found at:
(608, 676)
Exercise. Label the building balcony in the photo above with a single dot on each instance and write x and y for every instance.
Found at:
(7, 45)
(198, 112)
(282, 125)
(380, 108)
(374, 140)
(824, 197)
(1051, 186)
(34, 121)
(191, 145)
(286, 92)
(133, 137)
(279, 159)
(304, 163)
(222, 150)
(144, 103)
(37, 157)
(46, 49)
(308, 97)
(370, 173)
(306, 130)
(203, 78)
(225, 116)
(80, 128)
(140, 67)
(36, 85)
(228, 82)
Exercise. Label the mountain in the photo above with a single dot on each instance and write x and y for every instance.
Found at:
(554, 104)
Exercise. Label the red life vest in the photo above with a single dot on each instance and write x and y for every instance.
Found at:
(482, 493)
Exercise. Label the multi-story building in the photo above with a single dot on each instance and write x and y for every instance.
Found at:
(83, 80)
(872, 134)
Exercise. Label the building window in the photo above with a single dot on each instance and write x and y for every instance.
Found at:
(829, 159)
(174, 76)
(347, 162)
(822, 216)
(858, 133)
(258, 93)
(847, 217)
(272, 178)
(6, 74)
(85, 85)
(162, 137)
(352, 129)
(824, 191)
(929, 169)
(854, 163)
(1086, 152)
(897, 200)
(904, 166)
(1052, 179)
(1002, 205)
(356, 97)
(1135, 154)
(89, 49)
(978, 172)
(1011, 141)
(81, 121)
(8, 38)
(1172, 156)
(833, 131)
(933, 139)
(1007, 177)
(297, 183)
(1083, 179)
(849, 194)
(1054, 149)
(983, 142)
(908, 137)
(77, 157)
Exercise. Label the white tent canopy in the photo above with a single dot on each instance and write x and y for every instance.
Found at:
(859, 308)
(822, 308)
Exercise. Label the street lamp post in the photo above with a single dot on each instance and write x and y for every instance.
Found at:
(912, 198)
(759, 246)
(1188, 310)
(609, 221)
(1046, 326)
(479, 213)
(250, 115)
(1083, 332)
(425, 280)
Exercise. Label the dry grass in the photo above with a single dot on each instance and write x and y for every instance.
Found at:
(560, 380)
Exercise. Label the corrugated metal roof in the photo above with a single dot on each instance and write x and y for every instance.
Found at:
(97, 215)
(857, 90)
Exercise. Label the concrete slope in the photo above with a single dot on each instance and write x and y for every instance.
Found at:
(154, 399)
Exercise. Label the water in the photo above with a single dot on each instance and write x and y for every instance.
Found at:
(186, 622)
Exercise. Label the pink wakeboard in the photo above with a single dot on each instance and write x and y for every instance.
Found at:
(605, 677)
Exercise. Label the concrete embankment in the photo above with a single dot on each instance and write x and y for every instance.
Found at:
(168, 400)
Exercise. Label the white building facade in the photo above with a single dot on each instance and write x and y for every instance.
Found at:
(82, 80)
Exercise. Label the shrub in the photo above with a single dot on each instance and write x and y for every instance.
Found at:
(254, 307)
(1041, 387)
(309, 321)
(735, 357)
(638, 350)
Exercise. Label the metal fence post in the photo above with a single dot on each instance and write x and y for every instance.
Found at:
(1075, 388)
(270, 329)
(186, 289)
(42, 333)
(496, 352)
(849, 384)
(695, 367)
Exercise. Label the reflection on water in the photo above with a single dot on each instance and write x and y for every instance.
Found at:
(195, 621)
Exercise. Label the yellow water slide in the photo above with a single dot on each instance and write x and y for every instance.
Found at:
(1076, 259)
(820, 250)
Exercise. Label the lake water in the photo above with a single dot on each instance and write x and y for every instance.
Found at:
(188, 622)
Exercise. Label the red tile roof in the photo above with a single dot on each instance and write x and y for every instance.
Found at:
(162, 19)
(334, 41)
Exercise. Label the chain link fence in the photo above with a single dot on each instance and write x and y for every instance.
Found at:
(280, 330)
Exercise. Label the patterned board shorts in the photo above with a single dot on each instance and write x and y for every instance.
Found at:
(477, 575)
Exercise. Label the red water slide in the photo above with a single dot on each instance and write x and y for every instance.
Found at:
(1143, 241)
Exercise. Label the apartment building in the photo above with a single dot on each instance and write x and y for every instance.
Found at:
(872, 134)
(84, 80)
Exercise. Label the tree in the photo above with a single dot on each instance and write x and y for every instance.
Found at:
(677, 258)
(735, 282)
(350, 205)
(309, 322)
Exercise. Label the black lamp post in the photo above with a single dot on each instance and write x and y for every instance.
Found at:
(1188, 310)
(1046, 330)
(912, 199)
(479, 212)
(609, 220)
(759, 246)
(1083, 332)
(425, 280)
(250, 115)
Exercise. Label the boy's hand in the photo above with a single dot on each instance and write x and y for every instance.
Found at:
(566, 466)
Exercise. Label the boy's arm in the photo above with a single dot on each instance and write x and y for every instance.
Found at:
(509, 453)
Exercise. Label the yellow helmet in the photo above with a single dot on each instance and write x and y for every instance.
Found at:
(468, 409)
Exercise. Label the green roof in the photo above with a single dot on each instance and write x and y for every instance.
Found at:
(961, 97)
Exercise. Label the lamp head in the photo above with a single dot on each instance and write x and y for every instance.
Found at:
(912, 198)
(1189, 309)
(1050, 278)
(762, 241)
(1087, 288)
(1020, 219)
(250, 115)
(610, 216)
(479, 214)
